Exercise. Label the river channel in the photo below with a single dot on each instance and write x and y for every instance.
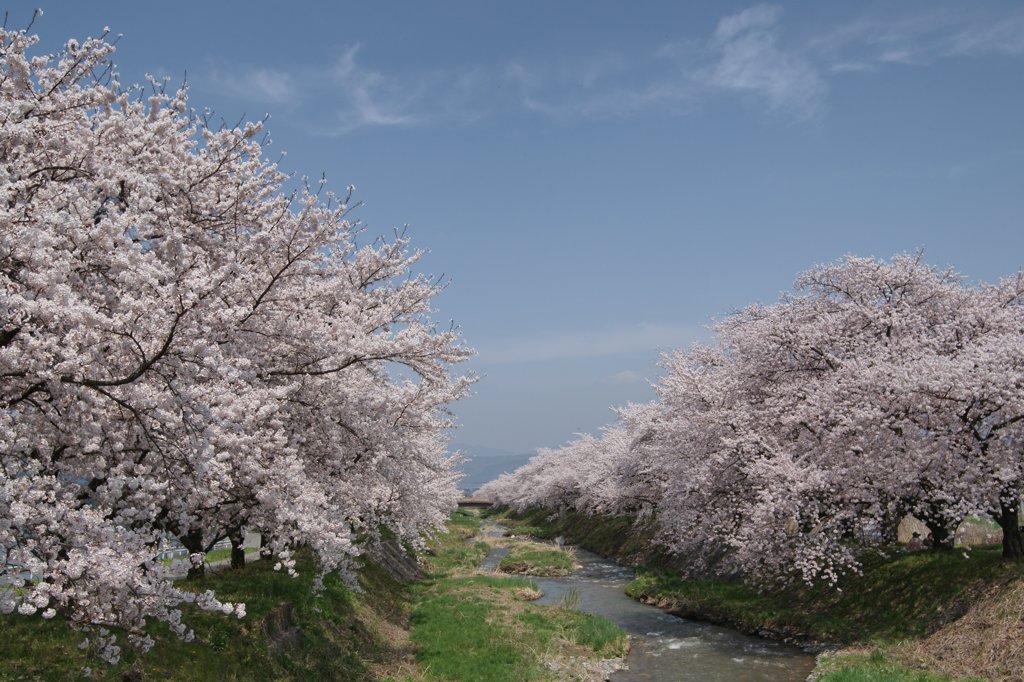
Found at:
(665, 648)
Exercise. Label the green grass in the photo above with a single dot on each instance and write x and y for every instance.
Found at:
(596, 633)
(600, 634)
(464, 518)
(532, 561)
(903, 596)
(452, 550)
(458, 555)
(457, 637)
(532, 531)
(475, 628)
(481, 627)
(452, 623)
(873, 667)
(330, 640)
(619, 537)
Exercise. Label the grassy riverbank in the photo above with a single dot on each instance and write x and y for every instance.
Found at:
(619, 537)
(871, 666)
(289, 632)
(530, 558)
(454, 625)
(900, 596)
(468, 626)
(910, 616)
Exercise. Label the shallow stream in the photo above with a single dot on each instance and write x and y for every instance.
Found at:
(665, 648)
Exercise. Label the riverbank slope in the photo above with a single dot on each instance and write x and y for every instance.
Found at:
(890, 618)
(290, 631)
(428, 617)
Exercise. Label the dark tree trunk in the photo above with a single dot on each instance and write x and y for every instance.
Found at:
(193, 542)
(942, 539)
(237, 537)
(1009, 521)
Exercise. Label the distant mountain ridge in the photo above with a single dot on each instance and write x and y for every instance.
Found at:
(486, 464)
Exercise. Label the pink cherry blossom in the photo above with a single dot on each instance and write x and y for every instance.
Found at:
(187, 349)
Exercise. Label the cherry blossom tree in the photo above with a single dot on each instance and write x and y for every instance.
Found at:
(591, 474)
(933, 395)
(188, 349)
(813, 425)
(841, 416)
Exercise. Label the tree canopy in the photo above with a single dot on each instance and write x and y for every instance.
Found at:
(813, 425)
(188, 349)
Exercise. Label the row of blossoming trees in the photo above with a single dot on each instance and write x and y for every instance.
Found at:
(812, 426)
(188, 350)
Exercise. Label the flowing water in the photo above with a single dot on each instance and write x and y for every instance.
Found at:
(491, 530)
(666, 648)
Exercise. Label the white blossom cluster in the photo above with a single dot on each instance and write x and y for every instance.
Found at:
(188, 350)
(812, 426)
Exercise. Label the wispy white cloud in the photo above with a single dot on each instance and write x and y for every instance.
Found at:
(750, 59)
(368, 98)
(922, 37)
(272, 84)
(745, 54)
(346, 95)
(749, 53)
(759, 53)
(1002, 35)
(257, 84)
(599, 86)
(644, 338)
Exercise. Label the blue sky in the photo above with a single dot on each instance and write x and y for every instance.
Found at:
(598, 180)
